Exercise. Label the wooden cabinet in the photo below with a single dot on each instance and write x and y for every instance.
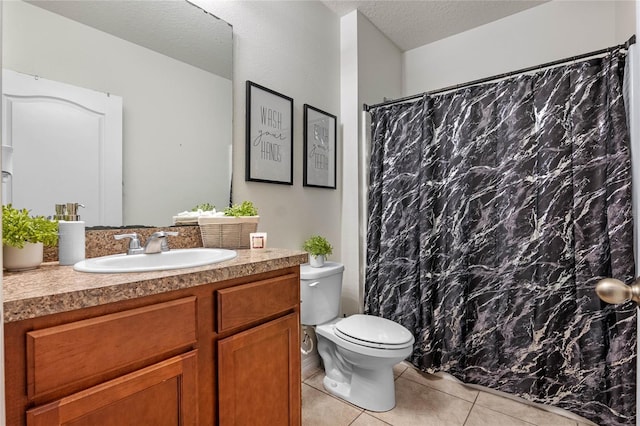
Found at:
(221, 353)
(164, 394)
(258, 369)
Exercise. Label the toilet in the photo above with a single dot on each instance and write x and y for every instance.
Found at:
(358, 352)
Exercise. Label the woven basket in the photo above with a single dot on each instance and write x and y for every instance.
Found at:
(227, 232)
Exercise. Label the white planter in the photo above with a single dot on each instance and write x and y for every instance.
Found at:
(316, 261)
(22, 259)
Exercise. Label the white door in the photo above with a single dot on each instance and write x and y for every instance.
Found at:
(42, 122)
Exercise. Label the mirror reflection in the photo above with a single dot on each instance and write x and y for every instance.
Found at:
(168, 62)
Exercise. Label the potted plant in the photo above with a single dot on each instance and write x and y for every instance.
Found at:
(318, 248)
(232, 230)
(245, 209)
(23, 237)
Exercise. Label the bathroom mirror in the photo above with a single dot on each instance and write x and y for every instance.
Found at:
(170, 62)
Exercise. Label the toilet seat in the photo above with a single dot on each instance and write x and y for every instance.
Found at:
(373, 332)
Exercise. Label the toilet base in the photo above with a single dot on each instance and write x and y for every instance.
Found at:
(373, 390)
(359, 374)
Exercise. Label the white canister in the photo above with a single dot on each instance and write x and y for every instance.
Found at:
(71, 241)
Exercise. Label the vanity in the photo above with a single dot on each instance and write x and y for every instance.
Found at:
(216, 344)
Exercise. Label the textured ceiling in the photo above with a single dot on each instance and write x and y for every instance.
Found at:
(174, 28)
(178, 31)
(410, 24)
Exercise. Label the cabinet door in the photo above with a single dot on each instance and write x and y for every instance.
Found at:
(162, 394)
(259, 375)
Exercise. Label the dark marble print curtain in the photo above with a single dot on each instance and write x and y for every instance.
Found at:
(493, 212)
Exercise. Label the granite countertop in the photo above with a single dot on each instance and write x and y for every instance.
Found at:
(53, 289)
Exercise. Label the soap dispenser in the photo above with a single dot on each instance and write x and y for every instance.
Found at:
(71, 231)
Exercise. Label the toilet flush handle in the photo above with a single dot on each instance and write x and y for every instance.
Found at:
(313, 284)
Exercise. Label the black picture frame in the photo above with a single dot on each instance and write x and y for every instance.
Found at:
(269, 136)
(320, 148)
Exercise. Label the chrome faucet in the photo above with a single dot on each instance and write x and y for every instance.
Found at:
(156, 243)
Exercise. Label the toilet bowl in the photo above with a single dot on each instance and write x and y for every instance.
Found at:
(358, 352)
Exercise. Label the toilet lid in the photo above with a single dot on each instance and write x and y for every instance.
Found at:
(373, 331)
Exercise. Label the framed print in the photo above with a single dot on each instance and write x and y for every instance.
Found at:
(269, 136)
(319, 148)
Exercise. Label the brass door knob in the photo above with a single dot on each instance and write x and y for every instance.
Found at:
(615, 291)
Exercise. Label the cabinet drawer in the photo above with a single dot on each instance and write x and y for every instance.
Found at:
(86, 351)
(247, 303)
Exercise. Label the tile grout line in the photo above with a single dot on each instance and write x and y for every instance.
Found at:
(426, 386)
(327, 393)
(357, 417)
(473, 404)
(440, 390)
(365, 412)
(475, 401)
(508, 415)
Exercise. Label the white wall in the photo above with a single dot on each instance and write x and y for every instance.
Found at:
(625, 19)
(294, 49)
(379, 64)
(351, 221)
(371, 69)
(554, 30)
(167, 168)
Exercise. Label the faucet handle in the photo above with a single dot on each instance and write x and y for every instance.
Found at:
(133, 236)
(134, 243)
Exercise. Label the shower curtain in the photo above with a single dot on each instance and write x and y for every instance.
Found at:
(493, 212)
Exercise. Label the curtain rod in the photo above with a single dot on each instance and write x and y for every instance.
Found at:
(632, 40)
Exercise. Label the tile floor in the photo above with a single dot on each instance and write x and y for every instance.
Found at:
(424, 400)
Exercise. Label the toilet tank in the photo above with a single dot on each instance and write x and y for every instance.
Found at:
(320, 290)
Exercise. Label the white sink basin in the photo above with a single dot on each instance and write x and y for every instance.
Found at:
(173, 259)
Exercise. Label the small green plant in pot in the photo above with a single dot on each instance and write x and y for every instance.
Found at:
(233, 229)
(245, 209)
(318, 248)
(23, 238)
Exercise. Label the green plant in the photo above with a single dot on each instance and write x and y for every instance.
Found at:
(18, 228)
(245, 209)
(317, 246)
(205, 207)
